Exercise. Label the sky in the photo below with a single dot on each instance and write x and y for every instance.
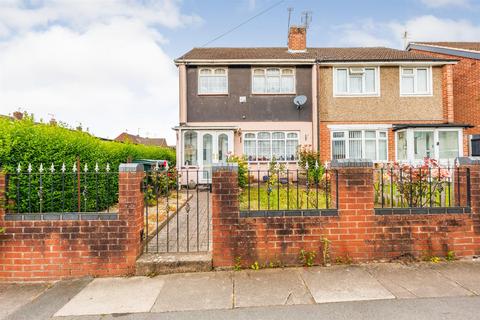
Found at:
(108, 65)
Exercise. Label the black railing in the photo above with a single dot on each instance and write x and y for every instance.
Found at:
(55, 189)
(177, 211)
(422, 187)
(288, 190)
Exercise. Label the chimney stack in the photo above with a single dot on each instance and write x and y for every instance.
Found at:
(297, 39)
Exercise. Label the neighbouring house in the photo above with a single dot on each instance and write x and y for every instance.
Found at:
(372, 103)
(466, 82)
(126, 137)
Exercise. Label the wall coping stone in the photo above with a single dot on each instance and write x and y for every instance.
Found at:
(225, 167)
(130, 167)
(71, 216)
(351, 163)
(468, 160)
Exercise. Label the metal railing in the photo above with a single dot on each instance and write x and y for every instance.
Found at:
(288, 190)
(56, 189)
(177, 211)
(421, 187)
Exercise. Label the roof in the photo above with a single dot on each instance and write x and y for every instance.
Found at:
(159, 142)
(312, 55)
(473, 46)
(399, 126)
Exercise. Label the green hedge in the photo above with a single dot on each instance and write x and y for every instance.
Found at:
(23, 142)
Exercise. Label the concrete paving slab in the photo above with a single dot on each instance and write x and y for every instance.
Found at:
(45, 305)
(13, 296)
(418, 280)
(195, 291)
(269, 288)
(343, 283)
(466, 274)
(114, 295)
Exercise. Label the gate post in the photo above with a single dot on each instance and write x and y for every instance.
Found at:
(225, 213)
(130, 209)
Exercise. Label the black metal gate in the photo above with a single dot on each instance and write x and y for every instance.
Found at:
(177, 211)
(476, 145)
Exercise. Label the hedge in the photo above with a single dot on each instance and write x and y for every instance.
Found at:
(26, 142)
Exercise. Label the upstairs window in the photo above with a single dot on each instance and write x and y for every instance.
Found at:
(212, 81)
(273, 81)
(415, 81)
(355, 81)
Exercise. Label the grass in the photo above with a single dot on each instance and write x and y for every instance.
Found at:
(283, 198)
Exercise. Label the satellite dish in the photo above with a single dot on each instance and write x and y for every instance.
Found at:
(300, 101)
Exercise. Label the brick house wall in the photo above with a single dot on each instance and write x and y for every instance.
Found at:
(356, 234)
(35, 249)
(466, 90)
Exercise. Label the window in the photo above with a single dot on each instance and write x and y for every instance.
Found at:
(415, 144)
(415, 81)
(212, 81)
(265, 146)
(273, 80)
(190, 148)
(360, 144)
(356, 81)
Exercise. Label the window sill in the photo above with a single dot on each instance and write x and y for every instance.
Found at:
(274, 94)
(410, 95)
(268, 161)
(357, 95)
(212, 94)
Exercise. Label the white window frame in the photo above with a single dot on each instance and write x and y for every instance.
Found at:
(436, 142)
(428, 93)
(346, 139)
(212, 75)
(271, 145)
(363, 93)
(274, 93)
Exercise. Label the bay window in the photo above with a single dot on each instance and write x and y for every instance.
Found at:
(265, 146)
(415, 81)
(212, 81)
(273, 80)
(360, 144)
(355, 81)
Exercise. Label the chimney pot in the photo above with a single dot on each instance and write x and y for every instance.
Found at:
(297, 39)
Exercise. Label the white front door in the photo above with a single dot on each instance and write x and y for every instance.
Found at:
(213, 147)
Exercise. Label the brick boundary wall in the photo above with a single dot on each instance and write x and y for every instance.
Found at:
(356, 234)
(43, 250)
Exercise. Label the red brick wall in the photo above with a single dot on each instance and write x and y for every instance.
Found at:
(50, 250)
(297, 38)
(356, 233)
(466, 90)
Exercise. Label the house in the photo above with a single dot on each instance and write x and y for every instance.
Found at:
(376, 103)
(466, 82)
(126, 137)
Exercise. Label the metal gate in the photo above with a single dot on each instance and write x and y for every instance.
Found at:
(177, 211)
(476, 145)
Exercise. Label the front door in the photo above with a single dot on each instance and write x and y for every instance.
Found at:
(215, 147)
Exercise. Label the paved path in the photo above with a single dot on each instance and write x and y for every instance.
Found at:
(184, 238)
(234, 294)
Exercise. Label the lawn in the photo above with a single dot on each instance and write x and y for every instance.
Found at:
(283, 197)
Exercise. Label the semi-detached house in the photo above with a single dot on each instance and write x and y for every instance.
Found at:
(371, 103)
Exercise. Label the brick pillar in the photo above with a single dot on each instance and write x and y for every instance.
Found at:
(447, 93)
(130, 209)
(225, 213)
(356, 199)
(472, 163)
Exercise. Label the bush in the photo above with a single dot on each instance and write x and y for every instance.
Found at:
(316, 171)
(26, 142)
(242, 169)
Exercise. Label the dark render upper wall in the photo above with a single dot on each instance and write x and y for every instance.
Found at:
(257, 108)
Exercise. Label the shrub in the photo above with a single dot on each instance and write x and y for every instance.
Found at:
(26, 142)
(242, 169)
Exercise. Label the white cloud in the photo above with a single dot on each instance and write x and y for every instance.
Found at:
(421, 28)
(104, 69)
(445, 3)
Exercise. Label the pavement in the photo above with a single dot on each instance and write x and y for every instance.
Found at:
(370, 291)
